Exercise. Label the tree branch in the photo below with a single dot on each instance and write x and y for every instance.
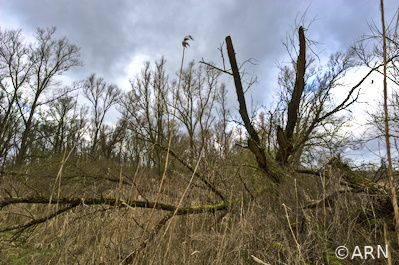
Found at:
(254, 140)
(214, 67)
(293, 105)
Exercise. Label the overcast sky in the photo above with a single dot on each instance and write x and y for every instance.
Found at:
(117, 37)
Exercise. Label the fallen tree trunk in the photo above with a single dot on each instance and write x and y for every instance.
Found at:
(71, 203)
(355, 180)
(357, 183)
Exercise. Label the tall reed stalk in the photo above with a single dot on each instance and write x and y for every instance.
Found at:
(387, 141)
(185, 45)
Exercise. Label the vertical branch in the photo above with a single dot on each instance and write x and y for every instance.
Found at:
(293, 106)
(254, 140)
(390, 171)
(240, 92)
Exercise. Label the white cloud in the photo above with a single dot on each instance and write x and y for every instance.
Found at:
(132, 69)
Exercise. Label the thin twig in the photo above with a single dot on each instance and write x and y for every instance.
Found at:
(214, 67)
(292, 232)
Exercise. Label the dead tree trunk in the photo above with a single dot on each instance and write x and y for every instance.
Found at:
(285, 142)
(254, 140)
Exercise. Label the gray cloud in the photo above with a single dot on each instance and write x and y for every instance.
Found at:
(113, 34)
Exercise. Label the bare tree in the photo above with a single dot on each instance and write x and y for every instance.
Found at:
(60, 111)
(370, 51)
(60, 127)
(195, 104)
(308, 106)
(48, 58)
(146, 109)
(317, 116)
(112, 138)
(223, 133)
(15, 69)
(102, 97)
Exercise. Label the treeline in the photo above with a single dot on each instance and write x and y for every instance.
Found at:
(40, 117)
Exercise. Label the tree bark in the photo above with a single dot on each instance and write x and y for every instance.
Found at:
(254, 140)
(293, 106)
(285, 143)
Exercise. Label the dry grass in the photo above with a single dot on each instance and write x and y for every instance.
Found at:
(262, 228)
